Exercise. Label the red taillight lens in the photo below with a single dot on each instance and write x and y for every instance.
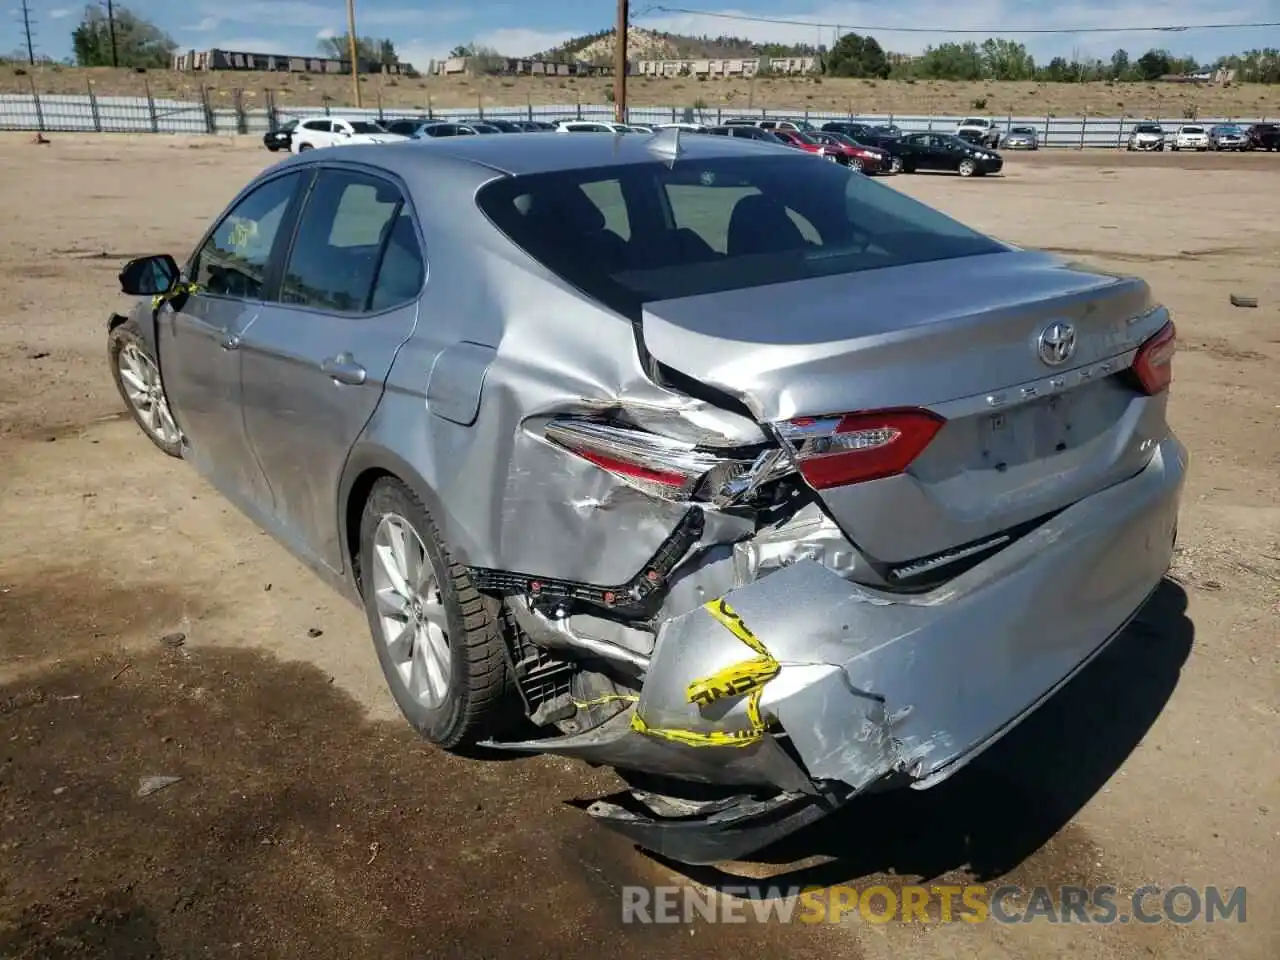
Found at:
(1153, 362)
(856, 447)
(658, 465)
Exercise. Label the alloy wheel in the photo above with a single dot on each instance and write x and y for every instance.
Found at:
(411, 612)
(145, 393)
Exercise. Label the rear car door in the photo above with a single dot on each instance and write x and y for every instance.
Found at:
(198, 336)
(315, 362)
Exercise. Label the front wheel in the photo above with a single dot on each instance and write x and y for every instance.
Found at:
(895, 165)
(137, 377)
(439, 640)
(967, 168)
(855, 163)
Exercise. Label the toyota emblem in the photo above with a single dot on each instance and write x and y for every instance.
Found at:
(1057, 343)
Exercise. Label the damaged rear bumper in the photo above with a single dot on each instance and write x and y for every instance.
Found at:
(879, 689)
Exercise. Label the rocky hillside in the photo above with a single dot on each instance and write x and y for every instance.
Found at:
(651, 45)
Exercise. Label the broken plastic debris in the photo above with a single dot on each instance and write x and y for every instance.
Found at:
(149, 785)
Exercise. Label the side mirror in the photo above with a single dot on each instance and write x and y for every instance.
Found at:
(149, 276)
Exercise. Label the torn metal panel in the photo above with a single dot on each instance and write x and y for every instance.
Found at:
(872, 684)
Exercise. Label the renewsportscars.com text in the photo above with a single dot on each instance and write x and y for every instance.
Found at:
(973, 903)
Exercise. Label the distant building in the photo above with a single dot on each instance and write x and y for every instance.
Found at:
(720, 67)
(516, 66)
(194, 60)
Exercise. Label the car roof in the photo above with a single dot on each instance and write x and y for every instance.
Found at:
(539, 152)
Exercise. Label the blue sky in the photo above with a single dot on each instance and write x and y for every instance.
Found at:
(427, 29)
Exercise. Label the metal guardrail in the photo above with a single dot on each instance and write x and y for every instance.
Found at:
(51, 113)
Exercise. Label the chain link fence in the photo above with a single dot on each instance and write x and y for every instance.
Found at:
(90, 113)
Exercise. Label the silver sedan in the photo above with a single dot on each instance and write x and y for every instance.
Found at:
(750, 477)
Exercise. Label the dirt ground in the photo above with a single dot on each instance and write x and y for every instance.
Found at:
(309, 822)
(1164, 101)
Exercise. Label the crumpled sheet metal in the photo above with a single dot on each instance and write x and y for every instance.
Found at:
(873, 684)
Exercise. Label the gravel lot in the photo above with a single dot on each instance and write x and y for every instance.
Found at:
(309, 822)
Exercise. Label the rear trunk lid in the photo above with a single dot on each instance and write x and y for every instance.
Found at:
(1023, 437)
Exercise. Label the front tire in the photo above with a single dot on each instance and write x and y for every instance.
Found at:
(439, 640)
(967, 168)
(137, 377)
(895, 165)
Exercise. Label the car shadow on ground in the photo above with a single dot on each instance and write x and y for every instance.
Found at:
(1011, 802)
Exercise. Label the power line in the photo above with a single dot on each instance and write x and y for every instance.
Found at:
(983, 31)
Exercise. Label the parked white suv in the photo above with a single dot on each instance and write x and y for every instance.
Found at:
(985, 132)
(591, 126)
(1147, 136)
(1191, 138)
(333, 131)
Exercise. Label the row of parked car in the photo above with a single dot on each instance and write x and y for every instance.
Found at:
(869, 148)
(1195, 136)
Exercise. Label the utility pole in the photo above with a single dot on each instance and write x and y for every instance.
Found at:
(26, 27)
(620, 65)
(351, 40)
(111, 29)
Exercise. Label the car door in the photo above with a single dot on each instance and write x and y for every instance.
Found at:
(198, 335)
(316, 360)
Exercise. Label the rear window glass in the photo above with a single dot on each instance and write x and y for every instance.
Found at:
(639, 233)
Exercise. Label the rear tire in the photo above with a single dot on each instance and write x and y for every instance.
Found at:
(439, 641)
(304, 147)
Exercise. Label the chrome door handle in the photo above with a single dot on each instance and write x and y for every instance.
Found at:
(230, 343)
(344, 369)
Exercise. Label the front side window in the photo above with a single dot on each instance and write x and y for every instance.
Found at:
(713, 225)
(233, 260)
(340, 236)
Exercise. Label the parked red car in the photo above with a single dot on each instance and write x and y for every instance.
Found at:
(852, 153)
(801, 141)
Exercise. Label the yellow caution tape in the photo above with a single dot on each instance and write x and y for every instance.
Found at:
(746, 678)
(181, 289)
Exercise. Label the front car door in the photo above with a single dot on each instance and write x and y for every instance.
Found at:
(198, 335)
(317, 358)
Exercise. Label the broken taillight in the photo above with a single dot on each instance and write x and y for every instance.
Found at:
(660, 466)
(1153, 363)
(856, 447)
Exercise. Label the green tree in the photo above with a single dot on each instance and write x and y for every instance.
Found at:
(856, 56)
(1119, 65)
(368, 49)
(1058, 71)
(138, 42)
(1006, 60)
(950, 61)
(1154, 64)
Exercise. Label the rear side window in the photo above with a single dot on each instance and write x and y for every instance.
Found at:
(355, 248)
(706, 226)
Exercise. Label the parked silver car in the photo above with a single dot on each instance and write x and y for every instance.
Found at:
(592, 432)
(1021, 138)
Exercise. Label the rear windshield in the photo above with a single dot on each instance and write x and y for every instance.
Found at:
(637, 233)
